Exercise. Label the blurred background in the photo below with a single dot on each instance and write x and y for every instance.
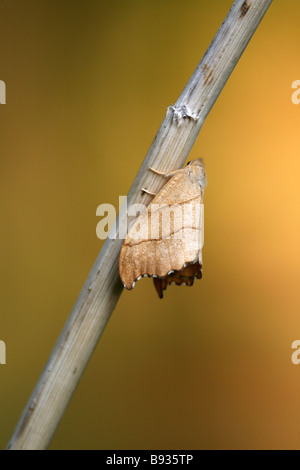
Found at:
(88, 84)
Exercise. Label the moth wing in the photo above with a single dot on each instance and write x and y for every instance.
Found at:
(166, 237)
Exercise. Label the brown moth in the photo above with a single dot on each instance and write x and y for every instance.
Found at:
(165, 241)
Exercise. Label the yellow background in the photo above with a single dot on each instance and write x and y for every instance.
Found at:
(88, 84)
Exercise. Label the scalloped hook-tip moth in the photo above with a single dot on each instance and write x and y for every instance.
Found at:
(165, 242)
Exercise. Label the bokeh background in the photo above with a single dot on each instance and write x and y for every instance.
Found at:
(88, 84)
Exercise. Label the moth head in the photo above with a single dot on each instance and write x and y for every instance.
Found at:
(199, 168)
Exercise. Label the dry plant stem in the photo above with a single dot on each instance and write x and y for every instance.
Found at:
(103, 287)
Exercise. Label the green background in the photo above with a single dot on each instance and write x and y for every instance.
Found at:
(88, 85)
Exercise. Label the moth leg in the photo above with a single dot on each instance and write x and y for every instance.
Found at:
(166, 175)
(148, 192)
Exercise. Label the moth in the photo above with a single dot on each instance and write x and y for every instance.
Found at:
(165, 242)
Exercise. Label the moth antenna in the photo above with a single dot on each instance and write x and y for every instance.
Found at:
(148, 192)
(166, 175)
(161, 173)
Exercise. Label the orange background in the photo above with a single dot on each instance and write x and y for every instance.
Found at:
(88, 84)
